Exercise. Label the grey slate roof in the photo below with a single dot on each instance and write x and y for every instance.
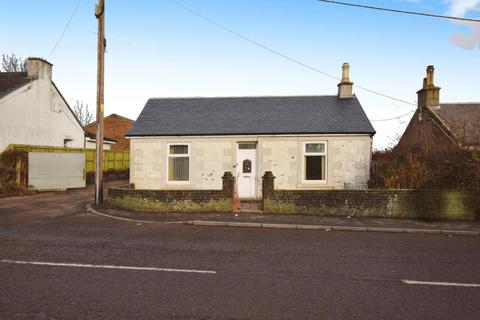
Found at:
(9, 81)
(462, 119)
(251, 115)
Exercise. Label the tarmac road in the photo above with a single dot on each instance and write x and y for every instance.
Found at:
(45, 206)
(230, 273)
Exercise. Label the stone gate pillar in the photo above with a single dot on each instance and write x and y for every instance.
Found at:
(267, 186)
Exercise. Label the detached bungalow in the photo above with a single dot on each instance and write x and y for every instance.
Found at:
(308, 142)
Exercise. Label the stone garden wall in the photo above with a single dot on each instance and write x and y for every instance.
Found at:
(174, 200)
(387, 203)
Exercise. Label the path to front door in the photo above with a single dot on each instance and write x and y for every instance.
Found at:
(247, 170)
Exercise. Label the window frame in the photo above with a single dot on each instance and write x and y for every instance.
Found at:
(250, 166)
(67, 142)
(304, 166)
(252, 143)
(178, 156)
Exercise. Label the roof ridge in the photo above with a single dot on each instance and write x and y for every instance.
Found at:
(246, 97)
(119, 116)
(452, 103)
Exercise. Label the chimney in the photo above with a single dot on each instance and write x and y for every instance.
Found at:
(345, 87)
(429, 95)
(38, 68)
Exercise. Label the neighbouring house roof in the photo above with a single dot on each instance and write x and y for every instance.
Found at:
(114, 115)
(93, 137)
(93, 125)
(115, 126)
(462, 119)
(10, 81)
(252, 115)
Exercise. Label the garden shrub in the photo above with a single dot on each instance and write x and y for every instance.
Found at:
(448, 168)
(8, 171)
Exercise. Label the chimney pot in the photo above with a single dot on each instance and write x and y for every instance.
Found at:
(345, 87)
(346, 72)
(429, 95)
(430, 76)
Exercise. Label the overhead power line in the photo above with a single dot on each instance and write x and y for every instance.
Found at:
(278, 53)
(65, 29)
(394, 118)
(425, 14)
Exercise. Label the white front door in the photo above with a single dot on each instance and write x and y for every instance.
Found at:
(247, 170)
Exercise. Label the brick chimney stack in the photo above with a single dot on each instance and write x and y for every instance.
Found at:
(345, 87)
(38, 68)
(429, 95)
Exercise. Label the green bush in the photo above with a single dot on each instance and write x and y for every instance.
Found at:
(8, 171)
(7, 180)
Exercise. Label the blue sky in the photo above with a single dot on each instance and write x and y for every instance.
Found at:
(157, 49)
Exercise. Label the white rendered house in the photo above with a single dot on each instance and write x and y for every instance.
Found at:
(33, 111)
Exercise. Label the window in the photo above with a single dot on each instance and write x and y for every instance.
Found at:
(314, 162)
(247, 166)
(178, 163)
(67, 143)
(247, 145)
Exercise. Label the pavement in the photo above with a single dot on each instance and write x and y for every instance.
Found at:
(32, 209)
(257, 220)
(59, 262)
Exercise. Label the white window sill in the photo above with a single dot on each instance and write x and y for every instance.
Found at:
(178, 182)
(313, 184)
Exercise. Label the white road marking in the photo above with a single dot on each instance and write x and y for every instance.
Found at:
(100, 266)
(447, 284)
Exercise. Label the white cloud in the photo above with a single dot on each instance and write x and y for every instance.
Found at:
(461, 7)
(467, 40)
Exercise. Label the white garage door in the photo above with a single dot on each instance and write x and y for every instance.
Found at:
(56, 170)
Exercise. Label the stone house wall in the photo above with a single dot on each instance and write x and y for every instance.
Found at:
(348, 160)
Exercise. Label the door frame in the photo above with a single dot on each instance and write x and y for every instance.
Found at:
(239, 167)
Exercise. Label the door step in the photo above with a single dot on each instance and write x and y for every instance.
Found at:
(251, 201)
(251, 206)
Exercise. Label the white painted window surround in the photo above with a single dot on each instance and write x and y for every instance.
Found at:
(314, 162)
(178, 163)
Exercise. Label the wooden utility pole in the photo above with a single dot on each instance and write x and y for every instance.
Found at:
(101, 43)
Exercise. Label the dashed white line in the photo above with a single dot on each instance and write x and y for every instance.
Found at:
(103, 266)
(445, 284)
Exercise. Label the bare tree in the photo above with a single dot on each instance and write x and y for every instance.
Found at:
(13, 63)
(82, 113)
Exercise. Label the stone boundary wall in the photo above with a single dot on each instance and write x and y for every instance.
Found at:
(386, 203)
(174, 200)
